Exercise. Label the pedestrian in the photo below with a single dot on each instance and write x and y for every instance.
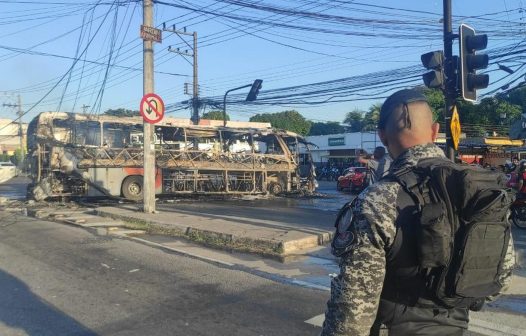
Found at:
(512, 167)
(390, 274)
(378, 165)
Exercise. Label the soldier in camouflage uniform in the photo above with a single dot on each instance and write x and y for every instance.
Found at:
(367, 231)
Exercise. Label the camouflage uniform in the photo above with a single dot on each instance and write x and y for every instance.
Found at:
(355, 292)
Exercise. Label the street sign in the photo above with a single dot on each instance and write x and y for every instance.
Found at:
(151, 34)
(152, 108)
(455, 128)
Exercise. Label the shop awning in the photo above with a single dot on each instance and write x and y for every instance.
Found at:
(503, 142)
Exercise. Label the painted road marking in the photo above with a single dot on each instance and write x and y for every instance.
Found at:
(316, 320)
(310, 285)
(183, 252)
(475, 325)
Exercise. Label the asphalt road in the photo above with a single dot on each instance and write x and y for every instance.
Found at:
(295, 212)
(15, 188)
(61, 280)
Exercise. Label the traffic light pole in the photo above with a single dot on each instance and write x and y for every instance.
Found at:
(224, 100)
(450, 82)
(252, 95)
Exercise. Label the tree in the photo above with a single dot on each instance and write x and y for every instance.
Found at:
(122, 112)
(321, 128)
(370, 120)
(355, 120)
(517, 97)
(482, 119)
(289, 120)
(215, 115)
(436, 101)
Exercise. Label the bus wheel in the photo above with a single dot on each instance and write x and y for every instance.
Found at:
(132, 188)
(275, 188)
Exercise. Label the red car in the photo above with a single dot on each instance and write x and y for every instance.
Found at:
(353, 178)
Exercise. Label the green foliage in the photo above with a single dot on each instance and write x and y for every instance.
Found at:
(363, 121)
(517, 97)
(370, 120)
(122, 113)
(4, 157)
(289, 120)
(321, 128)
(355, 120)
(437, 103)
(214, 115)
(490, 112)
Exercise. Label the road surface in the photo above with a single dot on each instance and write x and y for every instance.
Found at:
(61, 280)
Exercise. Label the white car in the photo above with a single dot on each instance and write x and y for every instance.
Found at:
(7, 170)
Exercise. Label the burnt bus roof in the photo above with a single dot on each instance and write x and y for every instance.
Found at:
(208, 130)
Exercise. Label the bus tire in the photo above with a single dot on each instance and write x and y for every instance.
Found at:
(132, 188)
(275, 188)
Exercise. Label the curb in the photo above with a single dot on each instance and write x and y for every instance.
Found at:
(221, 240)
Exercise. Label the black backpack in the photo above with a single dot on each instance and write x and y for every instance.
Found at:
(463, 230)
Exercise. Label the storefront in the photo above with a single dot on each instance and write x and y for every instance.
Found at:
(342, 149)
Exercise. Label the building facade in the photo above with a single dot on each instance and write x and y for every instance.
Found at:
(9, 136)
(342, 149)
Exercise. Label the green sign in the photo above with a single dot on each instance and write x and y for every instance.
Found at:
(337, 141)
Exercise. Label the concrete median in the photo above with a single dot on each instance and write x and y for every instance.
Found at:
(221, 233)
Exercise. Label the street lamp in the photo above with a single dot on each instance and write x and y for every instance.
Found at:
(252, 94)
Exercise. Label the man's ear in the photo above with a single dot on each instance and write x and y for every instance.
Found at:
(434, 131)
(383, 137)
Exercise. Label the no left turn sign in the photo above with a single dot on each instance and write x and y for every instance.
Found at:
(152, 108)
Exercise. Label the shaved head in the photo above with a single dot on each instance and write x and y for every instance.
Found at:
(408, 125)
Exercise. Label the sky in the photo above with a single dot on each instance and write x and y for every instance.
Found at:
(322, 58)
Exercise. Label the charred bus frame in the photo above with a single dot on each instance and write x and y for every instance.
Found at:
(78, 155)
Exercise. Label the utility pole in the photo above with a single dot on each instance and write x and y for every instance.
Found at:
(84, 108)
(20, 113)
(195, 93)
(450, 93)
(21, 132)
(195, 101)
(148, 87)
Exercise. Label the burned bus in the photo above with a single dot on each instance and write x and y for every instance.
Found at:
(81, 155)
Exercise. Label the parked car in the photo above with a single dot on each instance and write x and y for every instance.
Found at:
(353, 178)
(7, 170)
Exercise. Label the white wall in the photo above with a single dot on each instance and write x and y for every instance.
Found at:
(366, 141)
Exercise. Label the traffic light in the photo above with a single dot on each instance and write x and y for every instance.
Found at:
(434, 61)
(254, 90)
(470, 62)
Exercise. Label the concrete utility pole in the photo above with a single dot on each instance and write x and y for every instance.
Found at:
(21, 132)
(20, 113)
(195, 101)
(195, 93)
(450, 83)
(148, 87)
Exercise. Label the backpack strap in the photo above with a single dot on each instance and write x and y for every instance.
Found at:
(412, 181)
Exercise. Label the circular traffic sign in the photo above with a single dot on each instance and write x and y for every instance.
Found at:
(152, 108)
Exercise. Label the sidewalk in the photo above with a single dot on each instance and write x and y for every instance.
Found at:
(222, 231)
